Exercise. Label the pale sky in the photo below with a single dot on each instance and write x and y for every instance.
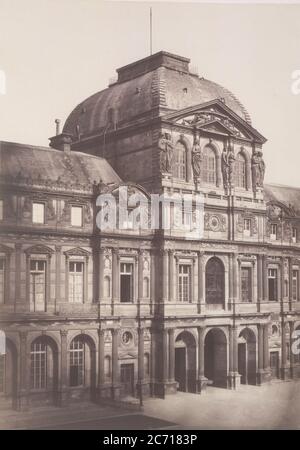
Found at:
(55, 53)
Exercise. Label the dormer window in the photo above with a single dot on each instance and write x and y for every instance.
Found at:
(273, 234)
(38, 212)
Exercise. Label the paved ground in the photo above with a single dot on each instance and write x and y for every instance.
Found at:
(275, 406)
(252, 407)
(123, 422)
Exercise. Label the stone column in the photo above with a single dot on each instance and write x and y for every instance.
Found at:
(200, 282)
(290, 284)
(57, 276)
(165, 356)
(18, 249)
(233, 377)
(64, 385)
(202, 380)
(165, 276)
(140, 276)
(259, 282)
(171, 355)
(283, 352)
(115, 278)
(219, 171)
(260, 353)
(292, 326)
(265, 278)
(23, 378)
(266, 348)
(86, 280)
(115, 364)
(101, 275)
(141, 369)
(171, 275)
(101, 376)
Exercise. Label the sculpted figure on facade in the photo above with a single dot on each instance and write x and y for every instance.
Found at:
(258, 169)
(165, 146)
(228, 160)
(197, 157)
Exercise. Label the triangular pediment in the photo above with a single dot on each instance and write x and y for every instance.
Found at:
(215, 116)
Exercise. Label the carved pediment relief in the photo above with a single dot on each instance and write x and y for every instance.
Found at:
(78, 251)
(39, 249)
(217, 117)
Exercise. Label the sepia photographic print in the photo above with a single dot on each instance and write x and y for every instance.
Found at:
(149, 218)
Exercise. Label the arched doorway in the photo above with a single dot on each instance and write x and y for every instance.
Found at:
(8, 376)
(247, 356)
(43, 370)
(215, 282)
(82, 367)
(215, 357)
(185, 362)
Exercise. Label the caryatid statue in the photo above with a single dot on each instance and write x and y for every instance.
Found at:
(227, 162)
(197, 157)
(165, 146)
(258, 169)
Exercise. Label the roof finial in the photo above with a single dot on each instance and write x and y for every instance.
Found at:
(57, 122)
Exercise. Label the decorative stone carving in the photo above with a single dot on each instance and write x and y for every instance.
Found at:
(88, 216)
(197, 157)
(166, 147)
(227, 164)
(107, 336)
(214, 222)
(253, 223)
(50, 211)
(258, 169)
(26, 211)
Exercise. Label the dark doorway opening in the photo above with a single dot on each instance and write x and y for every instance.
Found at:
(215, 357)
(127, 379)
(274, 363)
(180, 368)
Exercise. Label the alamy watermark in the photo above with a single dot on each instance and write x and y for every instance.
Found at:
(129, 210)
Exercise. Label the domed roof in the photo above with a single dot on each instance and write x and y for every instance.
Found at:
(147, 88)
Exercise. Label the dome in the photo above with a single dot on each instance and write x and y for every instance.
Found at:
(151, 87)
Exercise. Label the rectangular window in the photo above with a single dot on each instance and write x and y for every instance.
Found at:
(294, 235)
(272, 284)
(246, 284)
(77, 363)
(184, 283)
(37, 285)
(273, 234)
(76, 279)
(1, 209)
(126, 284)
(247, 227)
(2, 374)
(39, 366)
(295, 276)
(2, 280)
(38, 213)
(76, 216)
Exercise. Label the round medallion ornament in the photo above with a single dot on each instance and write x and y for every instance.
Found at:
(126, 337)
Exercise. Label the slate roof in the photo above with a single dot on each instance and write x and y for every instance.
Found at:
(288, 195)
(47, 163)
(157, 84)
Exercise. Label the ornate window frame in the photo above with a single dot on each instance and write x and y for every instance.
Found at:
(77, 254)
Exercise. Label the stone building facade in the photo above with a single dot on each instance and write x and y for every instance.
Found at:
(91, 314)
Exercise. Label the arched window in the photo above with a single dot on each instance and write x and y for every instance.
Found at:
(43, 364)
(209, 166)
(77, 362)
(214, 281)
(179, 164)
(240, 171)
